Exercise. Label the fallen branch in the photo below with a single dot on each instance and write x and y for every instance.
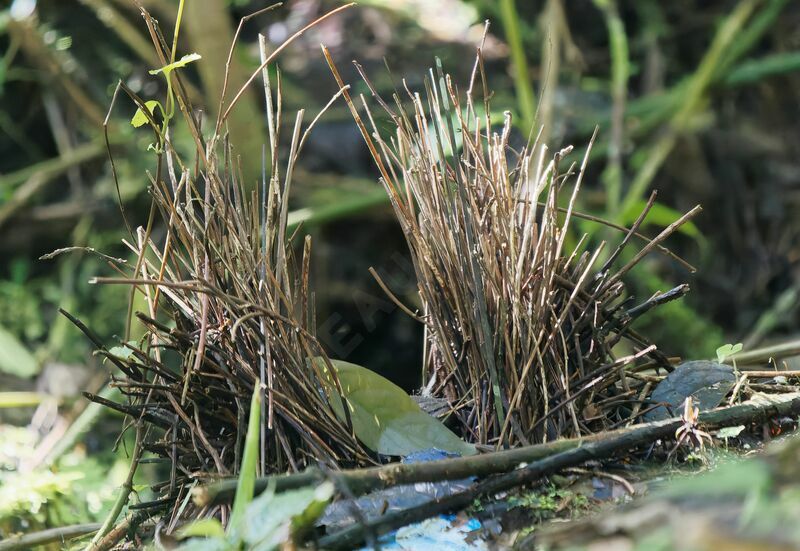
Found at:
(753, 411)
(361, 481)
(51, 535)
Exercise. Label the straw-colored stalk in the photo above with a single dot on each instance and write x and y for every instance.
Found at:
(519, 326)
(227, 305)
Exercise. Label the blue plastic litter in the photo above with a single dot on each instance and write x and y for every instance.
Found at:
(432, 454)
(435, 534)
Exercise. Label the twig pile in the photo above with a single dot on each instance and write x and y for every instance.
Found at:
(227, 306)
(520, 331)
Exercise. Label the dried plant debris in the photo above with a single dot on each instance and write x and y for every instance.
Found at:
(521, 313)
(225, 304)
(745, 504)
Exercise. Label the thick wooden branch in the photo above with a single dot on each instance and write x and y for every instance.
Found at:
(360, 481)
(752, 411)
(61, 535)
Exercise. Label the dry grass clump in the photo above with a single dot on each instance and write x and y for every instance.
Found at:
(227, 305)
(520, 325)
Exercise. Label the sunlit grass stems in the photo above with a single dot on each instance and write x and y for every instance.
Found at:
(226, 304)
(519, 329)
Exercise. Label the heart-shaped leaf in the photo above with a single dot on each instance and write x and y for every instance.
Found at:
(384, 417)
(727, 350)
(139, 118)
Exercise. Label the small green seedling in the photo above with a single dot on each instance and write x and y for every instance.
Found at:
(729, 432)
(140, 117)
(727, 350)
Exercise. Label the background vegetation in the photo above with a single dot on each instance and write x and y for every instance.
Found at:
(695, 99)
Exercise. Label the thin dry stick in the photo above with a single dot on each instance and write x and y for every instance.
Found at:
(272, 56)
(669, 230)
(242, 21)
(121, 530)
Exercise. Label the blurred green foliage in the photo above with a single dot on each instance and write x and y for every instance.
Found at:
(661, 79)
(49, 60)
(81, 490)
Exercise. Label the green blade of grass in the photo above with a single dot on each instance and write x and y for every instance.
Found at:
(247, 473)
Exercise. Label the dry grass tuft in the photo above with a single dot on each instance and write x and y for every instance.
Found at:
(226, 304)
(520, 328)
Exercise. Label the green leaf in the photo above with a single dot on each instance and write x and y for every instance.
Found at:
(247, 473)
(727, 350)
(659, 215)
(730, 432)
(272, 519)
(139, 118)
(185, 60)
(122, 352)
(15, 359)
(204, 528)
(316, 507)
(384, 417)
